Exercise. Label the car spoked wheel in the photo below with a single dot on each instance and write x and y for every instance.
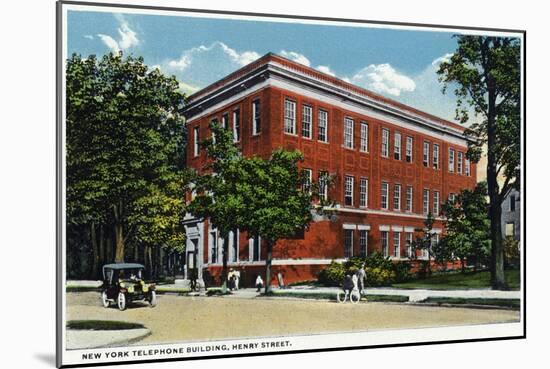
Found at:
(121, 301)
(153, 299)
(105, 300)
(354, 297)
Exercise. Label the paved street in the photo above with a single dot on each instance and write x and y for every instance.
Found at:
(178, 318)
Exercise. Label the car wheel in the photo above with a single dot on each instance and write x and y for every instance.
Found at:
(105, 300)
(121, 301)
(153, 299)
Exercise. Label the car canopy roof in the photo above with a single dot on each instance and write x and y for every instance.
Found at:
(118, 266)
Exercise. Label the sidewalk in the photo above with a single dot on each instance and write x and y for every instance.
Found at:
(87, 339)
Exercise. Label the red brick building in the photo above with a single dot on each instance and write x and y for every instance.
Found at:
(391, 164)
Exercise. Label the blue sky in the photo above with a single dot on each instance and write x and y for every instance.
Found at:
(399, 64)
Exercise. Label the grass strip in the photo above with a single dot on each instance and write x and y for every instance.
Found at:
(507, 303)
(332, 296)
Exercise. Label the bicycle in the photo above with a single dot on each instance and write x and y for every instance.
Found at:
(343, 295)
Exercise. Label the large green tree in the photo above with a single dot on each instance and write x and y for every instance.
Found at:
(124, 140)
(278, 200)
(467, 225)
(218, 198)
(485, 74)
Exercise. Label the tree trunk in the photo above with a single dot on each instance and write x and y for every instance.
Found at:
(95, 252)
(268, 261)
(462, 265)
(119, 243)
(101, 245)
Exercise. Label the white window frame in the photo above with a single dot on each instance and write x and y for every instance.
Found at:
(225, 120)
(467, 167)
(426, 201)
(408, 243)
(409, 149)
(364, 145)
(363, 242)
(409, 199)
(322, 126)
(397, 197)
(307, 121)
(256, 117)
(251, 249)
(397, 146)
(459, 158)
(363, 192)
(348, 249)
(323, 185)
(213, 246)
(290, 117)
(396, 245)
(436, 204)
(384, 238)
(348, 132)
(234, 240)
(435, 156)
(426, 154)
(196, 141)
(348, 189)
(384, 194)
(236, 125)
(308, 178)
(385, 144)
(451, 160)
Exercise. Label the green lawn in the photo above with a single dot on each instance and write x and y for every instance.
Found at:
(460, 281)
(507, 303)
(332, 296)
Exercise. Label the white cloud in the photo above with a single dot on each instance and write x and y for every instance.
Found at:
(441, 59)
(297, 57)
(383, 78)
(127, 37)
(325, 69)
(89, 37)
(188, 89)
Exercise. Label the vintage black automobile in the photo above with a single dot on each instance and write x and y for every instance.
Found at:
(123, 283)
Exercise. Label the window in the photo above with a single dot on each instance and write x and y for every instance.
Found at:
(384, 192)
(396, 244)
(434, 241)
(509, 231)
(196, 141)
(306, 121)
(307, 178)
(385, 142)
(452, 197)
(213, 122)
(409, 242)
(225, 121)
(426, 201)
(235, 245)
(363, 192)
(459, 163)
(397, 146)
(236, 125)
(363, 239)
(322, 134)
(436, 156)
(409, 150)
(467, 167)
(426, 154)
(409, 204)
(213, 247)
(323, 185)
(256, 248)
(290, 117)
(256, 122)
(348, 195)
(512, 203)
(348, 243)
(348, 133)
(436, 204)
(451, 160)
(397, 197)
(364, 147)
(384, 242)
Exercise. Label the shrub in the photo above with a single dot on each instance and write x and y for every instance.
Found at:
(333, 275)
(379, 276)
(402, 271)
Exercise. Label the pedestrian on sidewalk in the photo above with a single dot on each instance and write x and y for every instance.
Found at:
(361, 277)
(259, 283)
(237, 277)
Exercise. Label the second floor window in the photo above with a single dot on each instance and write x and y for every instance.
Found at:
(323, 185)
(363, 192)
(322, 131)
(348, 133)
(307, 178)
(451, 160)
(348, 194)
(436, 204)
(426, 154)
(409, 204)
(290, 117)
(397, 146)
(385, 142)
(397, 197)
(364, 137)
(459, 162)
(225, 121)
(436, 156)
(467, 167)
(409, 150)
(426, 202)
(256, 121)
(384, 195)
(306, 121)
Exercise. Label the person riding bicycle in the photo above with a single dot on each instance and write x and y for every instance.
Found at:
(348, 284)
